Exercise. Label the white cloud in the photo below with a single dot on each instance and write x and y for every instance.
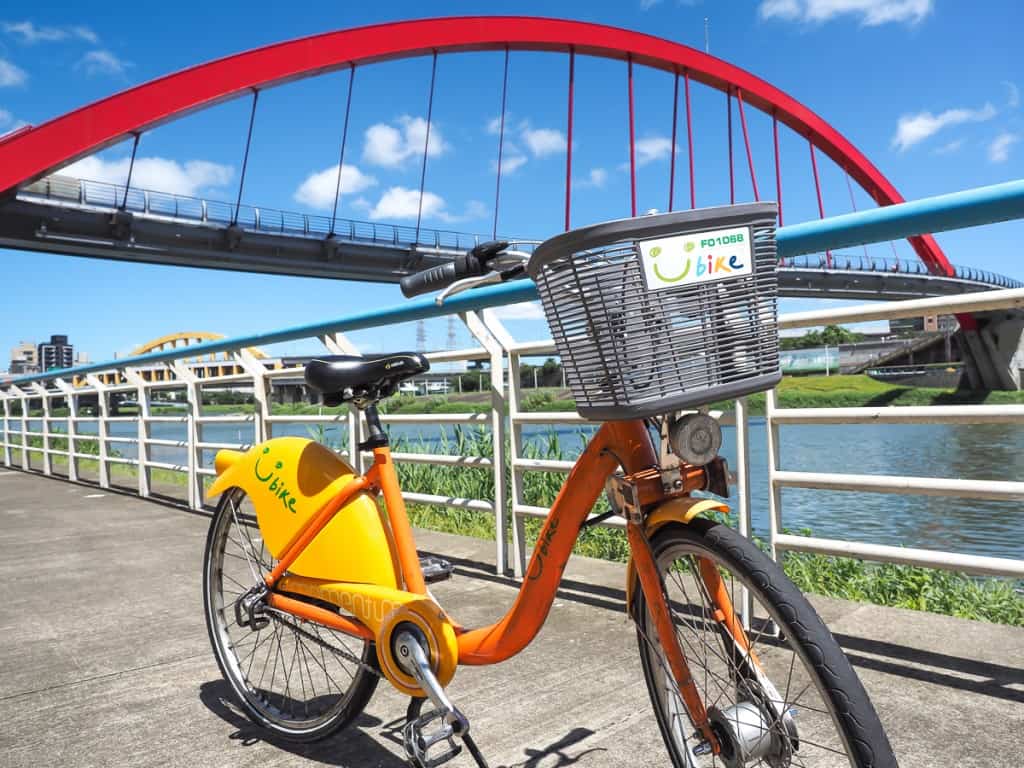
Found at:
(398, 203)
(154, 173)
(652, 148)
(1012, 94)
(529, 310)
(512, 161)
(389, 146)
(542, 141)
(30, 33)
(871, 13)
(10, 74)
(102, 62)
(596, 179)
(950, 148)
(913, 129)
(999, 149)
(319, 188)
(403, 203)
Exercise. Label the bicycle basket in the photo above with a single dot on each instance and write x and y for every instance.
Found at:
(663, 312)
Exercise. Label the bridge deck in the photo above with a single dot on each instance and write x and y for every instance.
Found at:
(105, 659)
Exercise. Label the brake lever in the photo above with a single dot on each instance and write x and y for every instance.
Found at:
(466, 284)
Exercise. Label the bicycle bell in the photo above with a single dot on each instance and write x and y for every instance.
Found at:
(695, 438)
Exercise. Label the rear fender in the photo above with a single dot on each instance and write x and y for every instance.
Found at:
(288, 480)
(681, 510)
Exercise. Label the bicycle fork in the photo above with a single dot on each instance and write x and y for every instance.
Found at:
(657, 604)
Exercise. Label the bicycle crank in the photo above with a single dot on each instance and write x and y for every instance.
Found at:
(438, 728)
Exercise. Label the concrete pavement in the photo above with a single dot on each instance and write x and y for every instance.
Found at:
(104, 658)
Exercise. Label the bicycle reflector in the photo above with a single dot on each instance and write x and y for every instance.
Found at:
(662, 313)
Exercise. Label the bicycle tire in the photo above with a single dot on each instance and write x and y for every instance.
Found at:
(859, 730)
(268, 705)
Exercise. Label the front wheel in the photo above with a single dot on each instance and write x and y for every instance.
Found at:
(787, 696)
(300, 680)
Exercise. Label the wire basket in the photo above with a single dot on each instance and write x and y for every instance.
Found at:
(647, 324)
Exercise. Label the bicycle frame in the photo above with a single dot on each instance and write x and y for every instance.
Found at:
(623, 443)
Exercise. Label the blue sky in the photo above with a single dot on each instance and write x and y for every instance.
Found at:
(929, 90)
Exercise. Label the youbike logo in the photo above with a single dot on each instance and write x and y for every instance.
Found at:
(700, 257)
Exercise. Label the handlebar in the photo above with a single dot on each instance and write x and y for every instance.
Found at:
(470, 264)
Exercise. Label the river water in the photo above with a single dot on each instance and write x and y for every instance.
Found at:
(978, 452)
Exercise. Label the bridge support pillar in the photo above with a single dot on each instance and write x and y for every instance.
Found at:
(994, 353)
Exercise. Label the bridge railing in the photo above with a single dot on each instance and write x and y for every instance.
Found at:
(71, 191)
(866, 263)
(30, 437)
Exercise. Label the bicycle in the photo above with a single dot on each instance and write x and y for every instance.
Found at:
(307, 577)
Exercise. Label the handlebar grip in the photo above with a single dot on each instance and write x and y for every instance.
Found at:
(433, 279)
(441, 276)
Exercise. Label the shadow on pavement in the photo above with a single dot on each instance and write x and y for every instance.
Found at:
(999, 678)
(556, 749)
(350, 747)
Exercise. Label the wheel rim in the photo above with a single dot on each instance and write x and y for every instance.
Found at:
(296, 676)
(725, 681)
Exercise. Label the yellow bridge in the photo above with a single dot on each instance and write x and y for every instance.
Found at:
(203, 366)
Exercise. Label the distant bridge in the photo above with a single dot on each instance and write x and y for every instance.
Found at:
(86, 218)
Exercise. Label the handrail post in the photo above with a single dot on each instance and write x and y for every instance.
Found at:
(493, 337)
(72, 401)
(134, 376)
(44, 397)
(261, 427)
(774, 492)
(194, 436)
(102, 427)
(5, 399)
(743, 492)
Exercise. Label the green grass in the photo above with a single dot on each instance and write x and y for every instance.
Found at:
(955, 594)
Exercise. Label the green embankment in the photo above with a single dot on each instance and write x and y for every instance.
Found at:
(995, 600)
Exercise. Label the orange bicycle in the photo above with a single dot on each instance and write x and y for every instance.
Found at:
(313, 591)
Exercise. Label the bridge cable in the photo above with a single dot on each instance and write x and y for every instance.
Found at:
(245, 157)
(632, 141)
(689, 137)
(501, 145)
(778, 174)
(817, 188)
(746, 142)
(426, 146)
(344, 140)
(853, 204)
(568, 129)
(732, 179)
(672, 155)
(131, 167)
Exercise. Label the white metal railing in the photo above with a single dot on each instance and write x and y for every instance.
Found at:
(30, 441)
(778, 478)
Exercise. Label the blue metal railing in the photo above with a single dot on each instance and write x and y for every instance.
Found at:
(985, 205)
(861, 263)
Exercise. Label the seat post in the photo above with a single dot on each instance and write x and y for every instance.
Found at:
(376, 437)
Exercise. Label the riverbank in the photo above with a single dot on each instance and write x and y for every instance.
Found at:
(838, 391)
(994, 600)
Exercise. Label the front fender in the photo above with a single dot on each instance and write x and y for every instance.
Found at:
(290, 479)
(681, 510)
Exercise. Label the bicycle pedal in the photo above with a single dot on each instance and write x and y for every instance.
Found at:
(435, 569)
(418, 742)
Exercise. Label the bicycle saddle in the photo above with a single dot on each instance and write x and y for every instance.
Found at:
(362, 377)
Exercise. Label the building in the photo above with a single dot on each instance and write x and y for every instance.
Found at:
(24, 358)
(909, 326)
(56, 353)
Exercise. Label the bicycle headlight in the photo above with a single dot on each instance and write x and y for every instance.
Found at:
(695, 438)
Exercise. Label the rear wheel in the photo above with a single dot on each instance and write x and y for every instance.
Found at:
(301, 680)
(790, 698)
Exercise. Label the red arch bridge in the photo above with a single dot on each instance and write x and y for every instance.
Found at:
(44, 211)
